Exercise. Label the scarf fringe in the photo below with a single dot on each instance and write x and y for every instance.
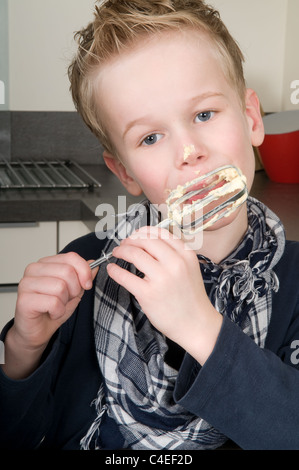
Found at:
(94, 430)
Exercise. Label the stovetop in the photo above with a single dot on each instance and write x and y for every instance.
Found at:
(45, 174)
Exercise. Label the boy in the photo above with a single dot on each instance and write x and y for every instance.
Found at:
(173, 348)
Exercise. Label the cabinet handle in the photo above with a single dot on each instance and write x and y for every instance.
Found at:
(18, 224)
(6, 288)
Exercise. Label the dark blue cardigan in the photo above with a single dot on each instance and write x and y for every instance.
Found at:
(249, 394)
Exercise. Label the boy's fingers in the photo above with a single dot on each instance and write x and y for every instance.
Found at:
(72, 261)
(158, 242)
(142, 260)
(153, 232)
(126, 279)
(156, 233)
(45, 270)
(34, 305)
(46, 285)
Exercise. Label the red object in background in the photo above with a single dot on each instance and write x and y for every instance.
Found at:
(280, 149)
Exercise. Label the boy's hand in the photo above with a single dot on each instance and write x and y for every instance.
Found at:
(172, 292)
(48, 294)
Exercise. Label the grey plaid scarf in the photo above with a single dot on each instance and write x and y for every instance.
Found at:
(138, 384)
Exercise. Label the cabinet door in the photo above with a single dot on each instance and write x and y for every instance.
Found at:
(69, 231)
(21, 244)
(8, 298)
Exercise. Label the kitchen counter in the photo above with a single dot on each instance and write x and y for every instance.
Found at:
(47, 205)
(39, 205)
(282, 198)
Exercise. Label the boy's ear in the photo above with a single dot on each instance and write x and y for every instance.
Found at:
(118, 168)
(254, 117)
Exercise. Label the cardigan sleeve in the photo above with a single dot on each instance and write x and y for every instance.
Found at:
(26, 407)
(247, 393)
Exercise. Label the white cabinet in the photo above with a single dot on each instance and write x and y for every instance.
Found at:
(8, 298)
(69, 231)
(22, 244)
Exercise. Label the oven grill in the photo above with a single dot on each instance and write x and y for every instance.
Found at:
(57, 174)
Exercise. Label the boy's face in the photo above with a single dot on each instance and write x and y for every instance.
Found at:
(172, 115)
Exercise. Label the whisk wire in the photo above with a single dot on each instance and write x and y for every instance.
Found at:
(210, 189)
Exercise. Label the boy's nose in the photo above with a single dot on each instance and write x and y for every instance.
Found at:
(189, 150)
(191, 154)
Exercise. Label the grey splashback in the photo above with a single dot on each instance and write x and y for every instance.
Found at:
(5, 135)
(32, 135)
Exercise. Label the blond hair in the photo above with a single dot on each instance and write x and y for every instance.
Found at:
(119, 24)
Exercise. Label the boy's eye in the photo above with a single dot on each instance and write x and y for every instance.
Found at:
(151, 139)
(204, 116)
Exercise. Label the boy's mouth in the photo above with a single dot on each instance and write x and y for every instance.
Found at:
(203, 191)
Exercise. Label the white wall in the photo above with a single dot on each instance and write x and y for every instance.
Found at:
(291, 59)
(267, 32)
(41, 46)
(259, 28)
(40, 38)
